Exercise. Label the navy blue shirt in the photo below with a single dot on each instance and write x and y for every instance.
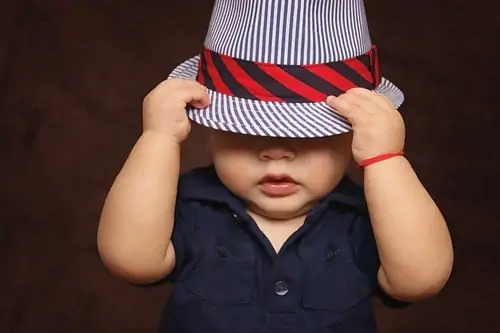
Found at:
(229, 279)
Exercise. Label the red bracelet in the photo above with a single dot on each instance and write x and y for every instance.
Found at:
(378, 158)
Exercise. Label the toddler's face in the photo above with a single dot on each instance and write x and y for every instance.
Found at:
(280, 178)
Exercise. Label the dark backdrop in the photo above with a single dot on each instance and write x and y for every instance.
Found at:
(72, 78)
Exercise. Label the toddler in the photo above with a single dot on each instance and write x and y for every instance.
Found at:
(273, 236)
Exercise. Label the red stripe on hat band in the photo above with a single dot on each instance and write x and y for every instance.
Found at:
(375, 69)
(330, 75)
(281, 83)
(360, 68)
(248, 82)
(199, 76)
(218, 84)
(292, 83)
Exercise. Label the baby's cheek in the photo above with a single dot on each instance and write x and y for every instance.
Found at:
(324, 174)
(234, 176)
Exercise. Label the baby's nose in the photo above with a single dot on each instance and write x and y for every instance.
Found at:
(276, 153)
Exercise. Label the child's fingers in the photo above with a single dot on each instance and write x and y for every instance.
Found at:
(191, 92)
(371, 99)
(343, 107)
(199, 97)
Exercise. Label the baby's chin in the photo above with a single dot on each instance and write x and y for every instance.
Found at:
(280, 209)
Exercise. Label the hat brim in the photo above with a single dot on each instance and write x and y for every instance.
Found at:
(273, 119)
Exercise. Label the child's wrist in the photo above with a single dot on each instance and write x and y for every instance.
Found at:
(161, 136)
(391, 167)
(379, 158)
(160, 141)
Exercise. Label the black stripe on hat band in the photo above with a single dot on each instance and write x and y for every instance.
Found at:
(349, 73)
(313, 80)
(269, 83)
(365, 60)
(206, 76)
(228, 78)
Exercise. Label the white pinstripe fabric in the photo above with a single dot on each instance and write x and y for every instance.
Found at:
(288, 32)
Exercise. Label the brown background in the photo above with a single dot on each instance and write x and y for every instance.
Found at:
(72, 78)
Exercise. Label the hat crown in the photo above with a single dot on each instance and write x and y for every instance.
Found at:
(289, 32)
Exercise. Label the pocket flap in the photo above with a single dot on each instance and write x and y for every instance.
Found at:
(336, 287)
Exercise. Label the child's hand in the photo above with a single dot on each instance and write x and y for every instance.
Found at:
(378, 127)
(164, 108)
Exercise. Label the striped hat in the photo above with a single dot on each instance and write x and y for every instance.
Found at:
(268, 66)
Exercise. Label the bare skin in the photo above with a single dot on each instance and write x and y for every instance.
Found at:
(137, 218)
(412, 237)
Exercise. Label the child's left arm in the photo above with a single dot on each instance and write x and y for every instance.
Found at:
(413, 240)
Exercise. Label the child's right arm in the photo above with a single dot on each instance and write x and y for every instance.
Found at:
(138, 215)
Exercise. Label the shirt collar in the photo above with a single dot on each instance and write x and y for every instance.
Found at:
(203, 184)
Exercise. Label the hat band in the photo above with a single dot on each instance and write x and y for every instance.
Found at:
(287, 83)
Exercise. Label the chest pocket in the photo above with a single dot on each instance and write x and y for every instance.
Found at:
(334, 283)
(225, 274)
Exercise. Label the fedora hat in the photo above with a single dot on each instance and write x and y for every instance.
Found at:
(269, 65)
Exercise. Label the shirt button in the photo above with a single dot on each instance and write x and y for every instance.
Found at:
(281, 288)
(332, 254)
(222, 250)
